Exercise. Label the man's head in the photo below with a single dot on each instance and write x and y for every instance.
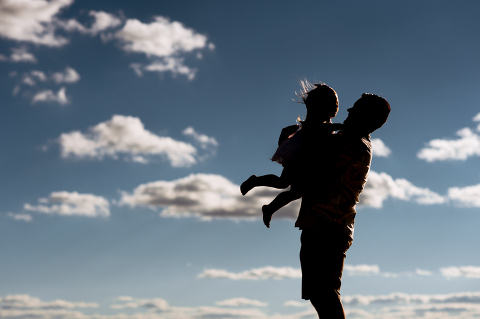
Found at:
(368, 113)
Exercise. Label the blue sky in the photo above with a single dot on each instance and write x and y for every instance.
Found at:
(127, 127)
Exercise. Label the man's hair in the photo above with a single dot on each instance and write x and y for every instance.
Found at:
(376, 110)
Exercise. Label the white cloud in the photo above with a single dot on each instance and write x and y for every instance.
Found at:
(126, 135)
(69, 75)
(467, 145)
(156, 303)
(49, 96)
(28, 302)
(460, 149)
(295, 303)
(392, 306)
(361, 270)
(32, 21)
(267, 272)
(423, 272)
(72, 203)
(22, 217)
(172, 64)
(205, 196)
(163, 41)
(270, 272)
(22, 55)
(39, 75)
(465, 271)
(379, 148)
(160, 309)
(381, 186)
(102, 21)
(468, 196)
(238, 302)
(204, 140)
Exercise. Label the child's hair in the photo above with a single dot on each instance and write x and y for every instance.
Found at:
(319, 99)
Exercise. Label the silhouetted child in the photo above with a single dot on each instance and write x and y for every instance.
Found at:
(322, 104)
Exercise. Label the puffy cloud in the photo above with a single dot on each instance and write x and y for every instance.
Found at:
(465, 271)
(205, 196)
(468, 196)
(103, 21)
(379, 148)
(163, 41)
(72, 203)
(381, 186)
(237, 302)
(69, 75)
(49, 96)
(22, 217)
(460, 149)
(126, 135)
(467, 145)
(32, 21)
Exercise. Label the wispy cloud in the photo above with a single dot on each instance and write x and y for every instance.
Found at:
(20, 54)
(72, 204)
(49, 96)
(270, 272)
(102, 21)
(126, 135)
(69, 75)
(467, 145)
(20, 217)
(239, 302)
(267, 272)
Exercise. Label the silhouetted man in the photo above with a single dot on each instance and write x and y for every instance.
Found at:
(332, 180)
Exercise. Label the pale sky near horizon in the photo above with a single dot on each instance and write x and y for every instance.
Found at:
(127, 127)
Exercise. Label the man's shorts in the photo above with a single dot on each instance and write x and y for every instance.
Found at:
(321, 256)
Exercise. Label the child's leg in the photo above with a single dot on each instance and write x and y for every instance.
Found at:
(264, 180)
(281, 200)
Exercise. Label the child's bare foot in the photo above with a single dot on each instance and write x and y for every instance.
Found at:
(248, 185)
(267, 215)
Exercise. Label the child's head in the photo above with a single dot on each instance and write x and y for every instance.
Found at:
(320, 99)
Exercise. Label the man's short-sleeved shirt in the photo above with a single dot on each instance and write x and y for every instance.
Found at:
(332, 182)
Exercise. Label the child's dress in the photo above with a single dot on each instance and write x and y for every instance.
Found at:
(288, 148)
